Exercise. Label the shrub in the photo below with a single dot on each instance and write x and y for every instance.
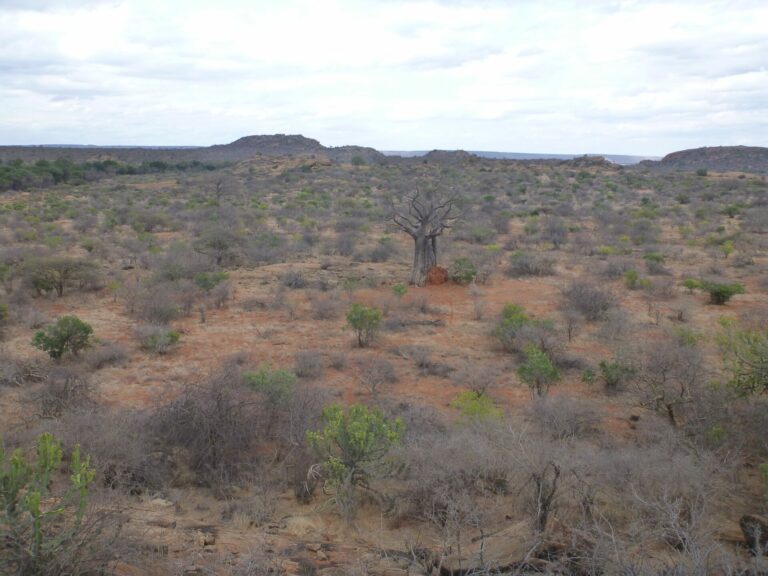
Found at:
(516, 330)
(294, 279)
(720, 293)
(55, 273)
(631, 279)
(526, 264)
(69, 334)
(513, 319)
(65, 389)
(276, 385)
(591, 300)
(353, 445)
(214, 424)
(118, 442)
(463, 271)
(365, 321)
(106, 354)
(220, 293)
(207, 281)
(16, 372)
(375, 372)
(43, 528)
(399, 290)
(156, 304)
(157, 339)
(745, 356)
(692, 284)
(537, 371)
(614, 374)
(564, 416)
(4, 318)
(308, 364)
(474, 407)
(325, 307)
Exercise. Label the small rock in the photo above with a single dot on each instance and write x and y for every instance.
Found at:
(204, 539)
(321, 556)
(273, 529)
(313, 546)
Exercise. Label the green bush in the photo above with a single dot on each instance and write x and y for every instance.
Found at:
(513, 318)
(614, 374)
(399, 290)
(512, 322)
(4, 317)
(720, 293)
(276, 385)
(365, 321)
(207, 281)
(692, 284)
(157, 339)
(463, 271)
(56, 273)
(631, 279)
(654, 257)
(353, 445)
(745, 357)
(42, 529)
(69, 334)
(475, 406)
(537, 371)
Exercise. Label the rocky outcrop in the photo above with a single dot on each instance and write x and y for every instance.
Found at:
(752, 159)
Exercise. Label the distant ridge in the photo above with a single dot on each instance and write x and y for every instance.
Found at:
(622, 159)
(718, 159)
(239, 150)
(752, 159)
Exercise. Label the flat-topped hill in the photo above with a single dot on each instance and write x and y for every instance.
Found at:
(716, 158)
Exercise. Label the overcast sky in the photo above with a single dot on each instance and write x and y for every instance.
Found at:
(630, 77)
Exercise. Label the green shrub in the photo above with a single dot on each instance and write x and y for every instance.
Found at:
(720, 293)
(41, 525)
(745, 357)
(692, 284)
(475, 406)
(614, 374)
(537, 371)
(207, 281)
(631, 279)
(55, 273)
(157, 339)
(69, 334)
(353, 446)
(513, 318)
(399, 290)
(276, 385)
(4, 317)
(463, 271)
(654, 257)
(365, 321)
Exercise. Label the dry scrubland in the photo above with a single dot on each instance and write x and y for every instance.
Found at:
(614, 422)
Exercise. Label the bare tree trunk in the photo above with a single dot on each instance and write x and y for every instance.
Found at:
(424, 258)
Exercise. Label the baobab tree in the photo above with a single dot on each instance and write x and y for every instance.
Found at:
(424, 218)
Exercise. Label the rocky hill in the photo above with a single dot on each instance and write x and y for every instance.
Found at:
(716, 159)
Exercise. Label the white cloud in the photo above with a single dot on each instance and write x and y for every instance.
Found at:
(631, 77)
